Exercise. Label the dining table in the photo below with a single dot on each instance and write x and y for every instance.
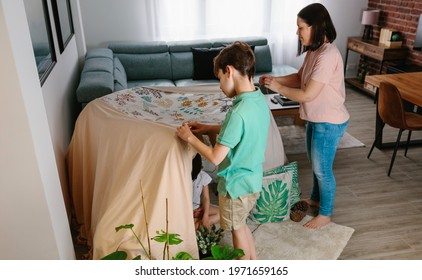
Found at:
(410, 88)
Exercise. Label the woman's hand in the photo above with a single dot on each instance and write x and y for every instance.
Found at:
(198, 128)
(262, 79)
(270, 82)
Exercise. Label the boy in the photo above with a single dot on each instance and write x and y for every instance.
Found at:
(240, 145)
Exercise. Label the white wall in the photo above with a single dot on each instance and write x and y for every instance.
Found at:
(35, 124)
(127, 20)
(124, 20)
(346, 16)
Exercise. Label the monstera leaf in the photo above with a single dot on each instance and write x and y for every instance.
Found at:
(271, 206)
(290, 167)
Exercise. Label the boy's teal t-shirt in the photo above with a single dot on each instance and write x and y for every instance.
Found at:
(245, 132)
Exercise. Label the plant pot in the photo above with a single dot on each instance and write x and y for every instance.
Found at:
(203, 256)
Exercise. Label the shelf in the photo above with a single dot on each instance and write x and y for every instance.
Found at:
(372, 49)
(355, 83)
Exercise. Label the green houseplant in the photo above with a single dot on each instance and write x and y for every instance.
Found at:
(206, 238)
(218, 252)
(209, 239)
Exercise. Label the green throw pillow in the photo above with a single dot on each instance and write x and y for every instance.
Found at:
(280, 191)
(292, 166)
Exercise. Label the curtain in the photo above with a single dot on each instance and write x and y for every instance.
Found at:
(172, 20)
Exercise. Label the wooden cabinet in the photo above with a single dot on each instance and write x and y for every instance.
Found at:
(372, 49)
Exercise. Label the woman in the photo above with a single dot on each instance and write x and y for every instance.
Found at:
(319, 87)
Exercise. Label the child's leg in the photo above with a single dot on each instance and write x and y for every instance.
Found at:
(243, 239)
(214, 215)
(233, 217)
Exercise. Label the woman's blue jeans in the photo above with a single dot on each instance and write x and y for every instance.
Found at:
(321, 142)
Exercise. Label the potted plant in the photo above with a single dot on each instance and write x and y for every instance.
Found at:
(206, 238)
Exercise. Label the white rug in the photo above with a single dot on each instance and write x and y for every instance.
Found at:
(294, 140)
(289, 240)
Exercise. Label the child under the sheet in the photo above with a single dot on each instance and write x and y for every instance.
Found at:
(203, 212)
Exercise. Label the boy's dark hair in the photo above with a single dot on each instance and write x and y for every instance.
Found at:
(196, 166)
(239, 55)
(317, 16)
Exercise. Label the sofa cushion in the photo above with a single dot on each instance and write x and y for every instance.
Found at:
(263, 59)
(120, 79)
(99, 52)
(146, 66)
(143, 60)
(134, 47)
(182, 65)
(182, 58)
(103, 64)
(203, 63)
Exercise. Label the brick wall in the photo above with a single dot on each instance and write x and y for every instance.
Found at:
(401, 15)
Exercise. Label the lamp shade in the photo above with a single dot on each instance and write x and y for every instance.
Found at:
(370, 17)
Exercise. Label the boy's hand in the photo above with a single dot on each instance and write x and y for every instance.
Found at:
(184, 132)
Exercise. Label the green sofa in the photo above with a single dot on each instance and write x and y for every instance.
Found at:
(171, 64)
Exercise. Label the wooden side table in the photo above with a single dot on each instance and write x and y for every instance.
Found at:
(372, 49)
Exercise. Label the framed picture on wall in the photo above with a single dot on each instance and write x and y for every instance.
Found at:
(41, 36)
(63, 21)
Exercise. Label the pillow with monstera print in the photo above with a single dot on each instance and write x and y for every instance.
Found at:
(292, 166)
(279, 193)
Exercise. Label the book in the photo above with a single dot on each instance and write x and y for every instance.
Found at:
(390, 38)
(393, 44)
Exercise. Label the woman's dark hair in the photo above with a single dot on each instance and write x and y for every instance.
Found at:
(196, 166)
(317, 16)
(239, 55)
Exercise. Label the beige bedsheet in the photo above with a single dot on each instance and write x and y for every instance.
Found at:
(112, 154)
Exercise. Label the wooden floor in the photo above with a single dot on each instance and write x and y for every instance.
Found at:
(386, 212)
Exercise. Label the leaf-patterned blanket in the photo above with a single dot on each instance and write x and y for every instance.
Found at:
(170, 108)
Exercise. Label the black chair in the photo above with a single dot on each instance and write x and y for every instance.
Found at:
(391, 111)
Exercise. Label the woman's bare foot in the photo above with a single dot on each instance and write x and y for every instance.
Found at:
(311, 202)
(318, 222)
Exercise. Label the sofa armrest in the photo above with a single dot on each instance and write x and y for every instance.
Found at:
(97, 77)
